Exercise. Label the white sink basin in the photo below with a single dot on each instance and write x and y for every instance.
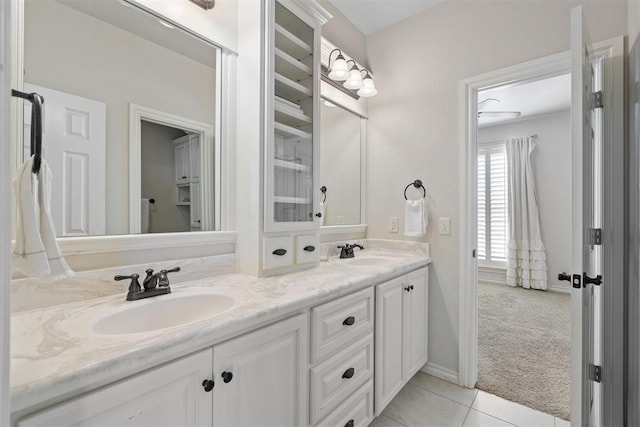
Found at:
(367, 260)
(164, 312)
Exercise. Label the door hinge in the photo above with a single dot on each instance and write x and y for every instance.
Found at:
(597, 100)
(595, 236)
(595, 373)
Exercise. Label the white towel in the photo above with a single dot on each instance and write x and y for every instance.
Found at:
(36, 251)
(323, 212)
(415, 218)
(144, 215)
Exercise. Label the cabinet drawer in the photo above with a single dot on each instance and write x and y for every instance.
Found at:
(339, 377)
(307, 248)
(357, 411)
(337, 324)
(278, 252)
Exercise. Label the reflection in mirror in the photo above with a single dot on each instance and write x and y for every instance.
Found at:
(340, 157)
(95, 63)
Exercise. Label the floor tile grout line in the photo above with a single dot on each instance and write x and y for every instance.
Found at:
(443, 396)
(394, 419)
(466, 416)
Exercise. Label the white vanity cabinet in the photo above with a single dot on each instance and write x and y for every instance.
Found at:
(181, 159)
(261, 377)
(401, 333)
(169, 395)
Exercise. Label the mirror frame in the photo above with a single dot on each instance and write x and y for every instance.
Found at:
(220, 241)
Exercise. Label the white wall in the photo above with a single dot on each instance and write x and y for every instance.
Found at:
(346, 36)
(340, 164)
(113, 66)
(159, 179)
(413, 129)
(553, 183)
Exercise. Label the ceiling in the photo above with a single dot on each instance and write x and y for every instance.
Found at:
(373, 15)
(531, 99)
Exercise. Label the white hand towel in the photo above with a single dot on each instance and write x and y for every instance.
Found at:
(144, 215)
(323, 212)
(415, 218)
(36, 251)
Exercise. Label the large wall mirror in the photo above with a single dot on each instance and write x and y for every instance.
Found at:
(342, 151)
(130, 117)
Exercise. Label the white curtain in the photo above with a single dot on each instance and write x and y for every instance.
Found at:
(526, 259)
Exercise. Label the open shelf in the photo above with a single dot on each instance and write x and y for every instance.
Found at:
(290, 90)
(286, 164)
(291, 116)
(292, 44)
(290, 132)
(289, 66)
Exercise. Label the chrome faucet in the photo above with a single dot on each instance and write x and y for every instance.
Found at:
(153, 284)
(346, 251)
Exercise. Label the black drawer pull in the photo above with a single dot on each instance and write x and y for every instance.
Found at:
(349, 321)
(226, 376)
(309, 248)
(279, 252)
(349, 423)
(348, 373)
(208, 385)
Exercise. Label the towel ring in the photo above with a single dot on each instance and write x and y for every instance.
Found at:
(418, 184)
(323, 190)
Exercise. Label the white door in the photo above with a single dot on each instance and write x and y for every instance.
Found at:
(586, 257)
(194, 157)
(415, 322)
(262, 378)
(170, 395)
(196, 206)
(182, 163)
(389, 342)
(73, 144)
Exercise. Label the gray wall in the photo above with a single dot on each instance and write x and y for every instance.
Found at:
(413, 131)
(633, 296)
(553, 183)
(159, 181)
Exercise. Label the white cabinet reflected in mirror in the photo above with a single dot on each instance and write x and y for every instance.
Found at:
(341, 157)
(129, 118)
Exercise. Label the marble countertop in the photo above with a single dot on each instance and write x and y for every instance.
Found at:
(57, 355)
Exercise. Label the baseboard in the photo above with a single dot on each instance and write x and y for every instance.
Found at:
(440, 372)
(561, 289)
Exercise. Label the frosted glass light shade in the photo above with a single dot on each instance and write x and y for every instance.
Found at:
(339, 70)
(368, 88)
(355, 79)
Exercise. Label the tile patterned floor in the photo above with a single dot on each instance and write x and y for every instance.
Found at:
(429, 401)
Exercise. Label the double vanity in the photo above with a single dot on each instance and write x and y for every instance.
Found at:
(329, 346)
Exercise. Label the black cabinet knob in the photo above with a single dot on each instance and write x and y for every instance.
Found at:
(279, 252)
(564, 276)
(411, 287)
(349, 423)
(309, 248)
(319, 214)
(226, 376)
(348, 373)
(208, 385)
(407, 288)
(349, 321)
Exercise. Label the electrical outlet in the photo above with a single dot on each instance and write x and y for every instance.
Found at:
(445, 226)
(393, 224)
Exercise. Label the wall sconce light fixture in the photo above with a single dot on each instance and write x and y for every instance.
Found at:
(352, 76)
(205, 4)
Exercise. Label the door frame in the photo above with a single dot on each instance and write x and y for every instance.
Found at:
(210, 163)
(614, 186)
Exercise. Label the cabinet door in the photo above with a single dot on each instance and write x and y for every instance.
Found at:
(170, 395)
(389, 337)
(416, 293)
(194, 158)
(182, 163)
(266, 377)
(196, 206)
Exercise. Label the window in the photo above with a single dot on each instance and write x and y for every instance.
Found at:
(493, 207)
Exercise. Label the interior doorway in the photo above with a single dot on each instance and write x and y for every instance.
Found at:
(523, 242)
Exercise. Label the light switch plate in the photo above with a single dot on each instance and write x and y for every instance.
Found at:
(393, 224)
(445, 226)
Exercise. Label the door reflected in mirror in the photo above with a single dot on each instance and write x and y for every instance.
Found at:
(340, 169)
(97, 63)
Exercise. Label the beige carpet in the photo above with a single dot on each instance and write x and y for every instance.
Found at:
(524, 346)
